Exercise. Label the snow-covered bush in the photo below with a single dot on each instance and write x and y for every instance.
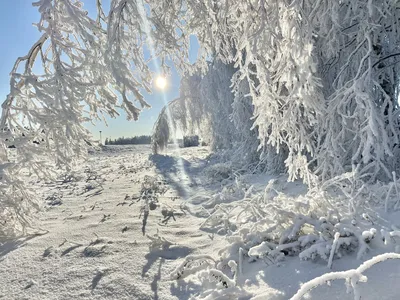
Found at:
(191, 265)
(152, 187)
(319, 225)
(190, 141)
(218, 172)
(205, 268)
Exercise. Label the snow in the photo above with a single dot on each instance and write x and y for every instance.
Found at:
(90, 243)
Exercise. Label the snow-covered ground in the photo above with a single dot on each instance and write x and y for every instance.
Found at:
(95, 241)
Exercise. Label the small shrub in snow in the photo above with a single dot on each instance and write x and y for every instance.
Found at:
(214, 275)
(191, 265)
(218, 172)
(190, 141)
(157, 242)
(221, 285)
(152, 187)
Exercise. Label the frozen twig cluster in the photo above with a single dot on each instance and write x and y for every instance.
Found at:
(269, 226)
(191, 265)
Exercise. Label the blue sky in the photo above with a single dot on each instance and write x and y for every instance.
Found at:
(16, 38)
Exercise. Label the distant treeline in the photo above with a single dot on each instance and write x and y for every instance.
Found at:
(136, 140)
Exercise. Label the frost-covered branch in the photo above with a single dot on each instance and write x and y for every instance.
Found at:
(354, 276)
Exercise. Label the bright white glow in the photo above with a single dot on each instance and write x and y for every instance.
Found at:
(161, 82)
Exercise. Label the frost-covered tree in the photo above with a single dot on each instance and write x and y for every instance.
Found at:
(208, 106)
(322, 77)
(205, 103)
(62, 72)
(357, 48)
(75, 72)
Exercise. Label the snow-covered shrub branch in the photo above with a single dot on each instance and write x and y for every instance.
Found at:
(191, 265)
(270, 225)
(352, 277)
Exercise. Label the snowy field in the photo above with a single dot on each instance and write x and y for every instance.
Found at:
(95, 239)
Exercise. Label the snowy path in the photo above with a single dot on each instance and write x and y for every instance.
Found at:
(95, 248)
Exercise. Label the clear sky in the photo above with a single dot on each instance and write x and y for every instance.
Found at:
(16, 38)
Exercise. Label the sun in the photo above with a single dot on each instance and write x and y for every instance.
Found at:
(161, 82)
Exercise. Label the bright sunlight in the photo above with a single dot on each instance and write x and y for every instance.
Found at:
(161, 82)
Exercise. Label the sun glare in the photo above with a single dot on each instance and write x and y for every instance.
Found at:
(161, 82)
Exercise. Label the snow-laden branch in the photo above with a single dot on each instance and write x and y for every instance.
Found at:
(354, 276)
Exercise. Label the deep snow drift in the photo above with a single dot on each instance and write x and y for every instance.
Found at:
(122, 225)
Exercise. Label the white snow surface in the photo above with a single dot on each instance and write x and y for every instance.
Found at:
(91, 240)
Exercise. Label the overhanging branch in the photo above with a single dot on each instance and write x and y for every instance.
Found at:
(30, 59)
